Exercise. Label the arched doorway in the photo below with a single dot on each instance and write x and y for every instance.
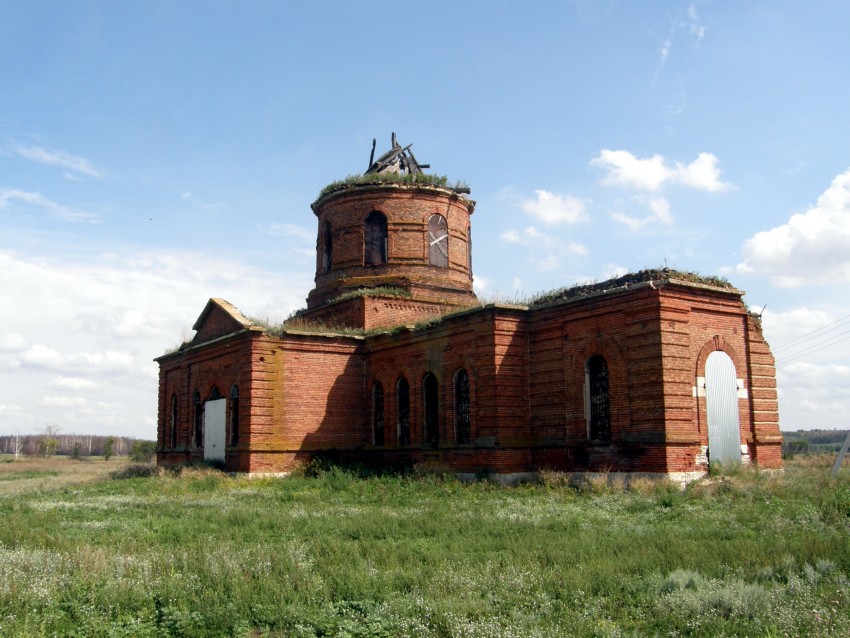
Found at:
(215, 411)
(721, 402)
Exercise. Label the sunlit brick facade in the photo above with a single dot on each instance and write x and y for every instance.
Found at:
(658, 372)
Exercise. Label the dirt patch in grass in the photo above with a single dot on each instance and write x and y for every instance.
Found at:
(37, 474)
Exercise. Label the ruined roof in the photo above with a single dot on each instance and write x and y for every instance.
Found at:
(656, 276)
(397, 167)
(227, 307)
(396, 160)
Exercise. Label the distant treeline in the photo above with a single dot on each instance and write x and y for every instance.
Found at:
(67, 444)
(812, 442)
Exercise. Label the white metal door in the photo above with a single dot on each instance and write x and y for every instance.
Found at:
(721, 399)
(214, 429)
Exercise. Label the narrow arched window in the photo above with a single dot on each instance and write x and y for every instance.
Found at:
(215, 395)
(378, 414)
(234, 415)
(438, 241)
(598, 402)
(198, 430)
(173, 431)
(327, 247)
(375, 239)
(462, 420)
(403, 411)
(431, 394)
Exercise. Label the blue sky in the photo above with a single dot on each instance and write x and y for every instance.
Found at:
(156, 154)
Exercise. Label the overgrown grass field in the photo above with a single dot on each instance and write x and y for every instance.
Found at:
(205, 554)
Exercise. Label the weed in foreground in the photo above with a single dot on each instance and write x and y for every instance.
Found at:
(200, 552)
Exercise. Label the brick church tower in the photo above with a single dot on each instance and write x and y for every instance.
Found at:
(393, 246)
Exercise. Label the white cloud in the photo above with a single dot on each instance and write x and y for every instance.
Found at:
(664, 51)
(546, 251)
(293, 231)
(813, 395)
(95, 325)
(784, 327)
(702, 174)
(512, 236)
(72, 383)
(24, 200)
(551, 208)
(696, 29)
(624, 169)
(651, 174)
(208, 206)
(812, 349)
(612, 271)
(126, 322)
(691, 23)
(52, 157)
(659, 212)
(12, 342)
(63, 402)
(10, 410)
(479, 284)
(40, 356)
(811, 248)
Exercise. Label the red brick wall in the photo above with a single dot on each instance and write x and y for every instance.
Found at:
(216, 323)
(459, 342)
(309, 397)
(407, 210)
(623, 329)
(307, 393)
(375, 311)
(717, 321)
(221, 364)
(766, 444)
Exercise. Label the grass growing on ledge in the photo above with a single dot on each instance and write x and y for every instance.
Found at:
(390, 178)
(642, 276)
(206, 554)
(386, 291)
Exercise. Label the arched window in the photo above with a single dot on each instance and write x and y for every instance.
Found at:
(215, 395)
(438, 241)
(378, 414)
(375, 239)
(598, 407)
(402, 393)
(173, 431)
(462, 420)
(198, 430)
(327, 247)
(234, 415)
(431, 394)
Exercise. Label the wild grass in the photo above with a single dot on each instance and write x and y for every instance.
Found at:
(34, 474)
(201, 553)
(418, 179)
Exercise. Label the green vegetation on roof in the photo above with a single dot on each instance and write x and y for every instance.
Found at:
(377, 291)
(425, 179)
(630, 279)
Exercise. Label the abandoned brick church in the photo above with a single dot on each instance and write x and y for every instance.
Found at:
(394, 361)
